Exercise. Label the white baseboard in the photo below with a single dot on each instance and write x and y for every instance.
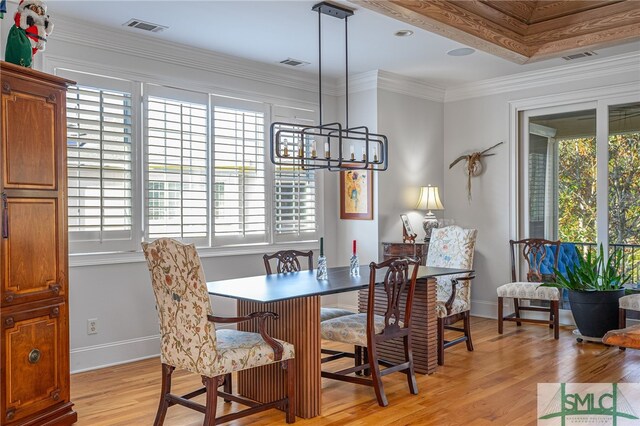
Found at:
(114, 353)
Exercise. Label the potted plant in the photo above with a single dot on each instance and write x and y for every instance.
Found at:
(594, 285)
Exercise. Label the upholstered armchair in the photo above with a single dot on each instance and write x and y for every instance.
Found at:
(190, 341)
(452, 247)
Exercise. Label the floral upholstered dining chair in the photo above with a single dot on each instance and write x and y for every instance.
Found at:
(452, 247)
(190, 341)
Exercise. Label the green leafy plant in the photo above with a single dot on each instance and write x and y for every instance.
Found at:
(595, 272)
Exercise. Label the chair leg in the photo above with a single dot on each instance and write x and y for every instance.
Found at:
(290, 366)
(365, 355)
(357, 352)
(622, 322)
(440, 341)
(500, 308)
(622, 318)
(211, 384)
(167, 370)
(228, 385)
(555, 308)
(467, 330)
(516, 307)
(411, 375)
(377, 378)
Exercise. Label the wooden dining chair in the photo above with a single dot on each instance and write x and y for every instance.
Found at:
(531, 255)
(190, 341)
(369, 330)
(288, 261)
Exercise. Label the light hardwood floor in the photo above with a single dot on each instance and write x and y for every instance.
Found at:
(496, 384)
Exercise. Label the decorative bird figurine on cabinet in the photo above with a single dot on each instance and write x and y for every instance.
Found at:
(474, 164)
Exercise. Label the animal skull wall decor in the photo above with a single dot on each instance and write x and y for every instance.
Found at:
(474, 165)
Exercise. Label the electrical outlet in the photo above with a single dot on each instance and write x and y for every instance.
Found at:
(92, 326)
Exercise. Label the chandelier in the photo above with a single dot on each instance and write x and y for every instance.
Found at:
(329, 146)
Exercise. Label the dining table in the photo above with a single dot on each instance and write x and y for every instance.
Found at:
(295, 297)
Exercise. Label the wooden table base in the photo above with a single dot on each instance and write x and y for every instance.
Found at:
(424, 324)
(299, 324)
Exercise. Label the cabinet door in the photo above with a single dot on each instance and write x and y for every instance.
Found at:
(33, 259)
(31, 134)
(35, 361)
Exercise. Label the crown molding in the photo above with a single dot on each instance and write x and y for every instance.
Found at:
(385, 80)
(143, 46)
(605, 67)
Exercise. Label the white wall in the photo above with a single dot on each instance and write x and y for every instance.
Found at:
(475, 123)
(415, 130)
(362, 112)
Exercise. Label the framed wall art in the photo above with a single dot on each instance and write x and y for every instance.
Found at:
(356, 194)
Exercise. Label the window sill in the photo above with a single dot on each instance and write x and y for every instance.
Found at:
(113, 258)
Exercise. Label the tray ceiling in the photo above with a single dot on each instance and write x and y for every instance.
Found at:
(521, 31)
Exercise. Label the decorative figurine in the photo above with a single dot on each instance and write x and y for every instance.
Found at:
(29, 33)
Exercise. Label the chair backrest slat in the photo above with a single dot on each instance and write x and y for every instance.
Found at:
(399, 281)
(287, 261)
(533, 251)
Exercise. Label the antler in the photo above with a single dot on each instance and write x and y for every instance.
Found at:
(490, 148)
(457, 160)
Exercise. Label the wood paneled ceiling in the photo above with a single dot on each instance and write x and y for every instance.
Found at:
(521, 31)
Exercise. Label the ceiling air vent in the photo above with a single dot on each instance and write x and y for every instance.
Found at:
(579, 55)
(294, 62)
(144, 26)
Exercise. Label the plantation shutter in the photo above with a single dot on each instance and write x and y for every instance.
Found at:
(99, 163)
(176, 174)
(295, 190)
(239, 192)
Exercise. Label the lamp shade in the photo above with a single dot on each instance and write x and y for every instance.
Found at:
(429, 199)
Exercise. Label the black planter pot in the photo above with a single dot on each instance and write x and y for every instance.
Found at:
(595, 312)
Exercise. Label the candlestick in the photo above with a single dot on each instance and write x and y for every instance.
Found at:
(354, 247)
(321, 246)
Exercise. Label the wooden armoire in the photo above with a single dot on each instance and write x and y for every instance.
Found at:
(34, 347)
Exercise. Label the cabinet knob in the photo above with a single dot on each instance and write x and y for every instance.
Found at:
(11, 412)
(34, 356)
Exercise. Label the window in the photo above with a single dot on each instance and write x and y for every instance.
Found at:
(180, 164)
(176, 169)
(238, 173)
(100, 164)
(295, 192)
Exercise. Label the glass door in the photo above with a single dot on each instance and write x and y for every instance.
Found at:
(579, 174)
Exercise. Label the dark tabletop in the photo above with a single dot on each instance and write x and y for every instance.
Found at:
(272, 288)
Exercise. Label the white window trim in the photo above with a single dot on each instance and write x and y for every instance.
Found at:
(56, 64)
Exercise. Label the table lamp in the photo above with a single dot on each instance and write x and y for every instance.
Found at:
(429, 200)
